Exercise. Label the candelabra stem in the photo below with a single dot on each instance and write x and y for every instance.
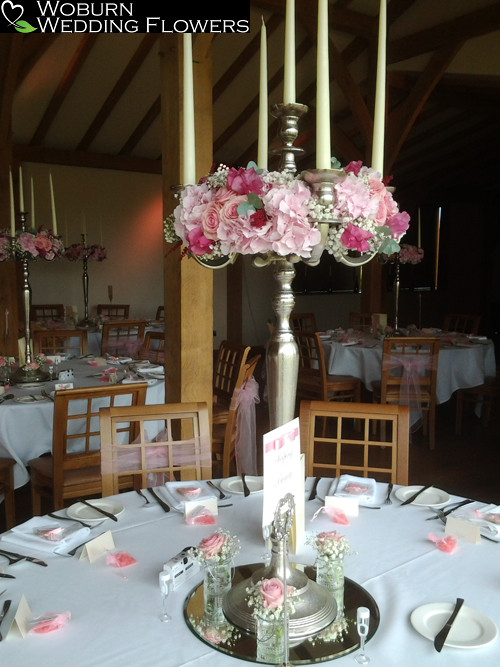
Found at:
(289, 116)
(396, 299)
(85, 280)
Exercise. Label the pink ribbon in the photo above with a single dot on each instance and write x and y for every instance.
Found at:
(245, 443)
(49, 622)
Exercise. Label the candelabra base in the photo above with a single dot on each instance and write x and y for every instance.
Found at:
(25, 374)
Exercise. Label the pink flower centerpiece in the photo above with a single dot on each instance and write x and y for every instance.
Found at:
(218, 547)
(266, 597)
(410, 254)
(78, 251)
(31, 245)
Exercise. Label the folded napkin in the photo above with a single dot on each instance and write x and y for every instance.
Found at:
(132, 380)
(150, 369)
(487, 518)
(362, 488)
(30, 535)
(180, 492)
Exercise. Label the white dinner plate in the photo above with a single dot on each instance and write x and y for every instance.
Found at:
(349, 342)
(429, 498)
(36, 398)
(235, 485)
(82, 512)
(471, 628)
(30, 385)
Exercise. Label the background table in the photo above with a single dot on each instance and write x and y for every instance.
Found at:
(115, 611)
(26, 428)
(458, 368)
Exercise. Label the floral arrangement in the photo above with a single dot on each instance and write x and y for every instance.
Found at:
(39, 361)
(410, 254)
(330, 545)
(219, 547)
(4, 245)
(42, 243)
(266, 597)
(334, 632)
(216, 633)
(79, 251)
(6, 362)
(254, 211)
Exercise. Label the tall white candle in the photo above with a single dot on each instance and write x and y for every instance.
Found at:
(33, 224)
(53, 205)
(289, 69)
(84, 225)
(12, 213)
(21, 190)
(380, 93)
(189, 154)
(323, 154)
(262, 148)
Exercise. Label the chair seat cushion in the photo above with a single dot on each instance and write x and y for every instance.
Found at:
(43, 466)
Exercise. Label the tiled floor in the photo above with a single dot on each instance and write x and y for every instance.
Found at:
(466, 465)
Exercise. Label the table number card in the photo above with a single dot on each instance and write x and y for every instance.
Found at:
(283, 474)
(21, 619)
(100, 546)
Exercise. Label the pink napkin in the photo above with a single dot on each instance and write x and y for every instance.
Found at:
(337, 515)
(447, 544)
(49, 622)
(121, 559)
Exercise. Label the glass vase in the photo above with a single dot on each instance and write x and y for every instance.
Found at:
(216, 583)
(270, 641)
(330, 573)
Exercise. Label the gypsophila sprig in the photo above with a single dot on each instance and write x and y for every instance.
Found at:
(266, 598)
(216, 633)
(219, 547)
(330, 545)
(334, 632)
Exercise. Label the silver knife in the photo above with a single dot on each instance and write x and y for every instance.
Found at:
(163, 504)
(5, 609)
(19, 557)
(222, 495)
(441, 636)
(246, 490)
(100, 510)
(442, 513)
(415, 495)
(314, 489)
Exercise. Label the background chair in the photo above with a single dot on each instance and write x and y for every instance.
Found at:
(160, 314)
(47, 312)
(313, 381)
(74, 468)
(359, 320)
(409, 374)
(124, 337)
(68, 342)
(228, 365)
(332, 446)
(115, 311)
(7, 489)
(303, 322)
(462, 323)
(483, 396)
(224, 435)
(182, 450)
(153, 347)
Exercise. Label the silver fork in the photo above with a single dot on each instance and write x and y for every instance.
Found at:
(388, 500)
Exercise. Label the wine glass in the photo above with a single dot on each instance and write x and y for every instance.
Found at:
(362, 624)
(266, 534)
(166, 586)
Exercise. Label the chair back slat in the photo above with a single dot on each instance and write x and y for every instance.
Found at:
(230, 359)
(122, 337)
(67, 342)
(115, 311)
(303, 322)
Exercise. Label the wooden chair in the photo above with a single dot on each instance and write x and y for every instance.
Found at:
(484, 395)
(114, 311)
(122, 337)
(74, 468)
(47, 312)
(153, 347)
(462, 323)
(160, 314)
(68, 342)
(360, 320)
(229, 362)
(7, 489)
(313, 381)
(224, 435)
(332, 446)
(409, 374)
(181, 451)
(303, 322)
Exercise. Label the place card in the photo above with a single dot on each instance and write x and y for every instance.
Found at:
(63, 385)
(465, 530)
(98, 547)
(350, 506)
(192, 507)
(22, 618)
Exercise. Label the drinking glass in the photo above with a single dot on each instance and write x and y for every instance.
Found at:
(166, 587)
(362, 624)
(266, 534)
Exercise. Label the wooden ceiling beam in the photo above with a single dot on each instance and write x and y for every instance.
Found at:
(118, 90)
(10, 62)
(68, 79)
(34, 46)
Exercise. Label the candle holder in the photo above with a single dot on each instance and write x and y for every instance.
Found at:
(289, 116)
(96, 253)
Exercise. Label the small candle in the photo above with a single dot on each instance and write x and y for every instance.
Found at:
(33, 226)
(12, 214)
(84, 226)
(289, 69)
(21, 189)
(189, 155)
(262, 149)
(53, 204)
(380, 93)
(323, 155)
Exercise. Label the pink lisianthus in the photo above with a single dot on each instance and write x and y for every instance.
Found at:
(356, 238)
(273, 592)
(354, 167)
(399, 223)
(243, 181)
(198, 243)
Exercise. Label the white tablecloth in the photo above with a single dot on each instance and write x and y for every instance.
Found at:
(115, 611)
(26, 428)
(459, 367)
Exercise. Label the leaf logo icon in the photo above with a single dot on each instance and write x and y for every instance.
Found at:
(12, 14)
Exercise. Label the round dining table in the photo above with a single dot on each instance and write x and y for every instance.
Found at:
(114, 612)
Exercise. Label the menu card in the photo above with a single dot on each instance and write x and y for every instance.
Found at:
(284, 473)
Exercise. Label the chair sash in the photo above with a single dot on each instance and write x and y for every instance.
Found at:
(413, 368)
(244, 401)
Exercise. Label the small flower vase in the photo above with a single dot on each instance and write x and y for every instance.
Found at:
(270, 640)
(216, 583)
(330, 573)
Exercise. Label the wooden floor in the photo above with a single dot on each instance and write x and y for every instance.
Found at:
(466, 465)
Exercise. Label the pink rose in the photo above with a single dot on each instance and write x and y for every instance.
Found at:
(272, 591)
(43, 243)
(244, 181)
(212, 545)
(356, 238)
(210, 220)
(212, 634)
